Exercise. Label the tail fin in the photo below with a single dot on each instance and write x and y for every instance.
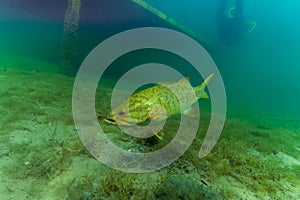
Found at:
(200, 90)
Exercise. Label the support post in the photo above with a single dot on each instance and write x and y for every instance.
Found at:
(68, 44)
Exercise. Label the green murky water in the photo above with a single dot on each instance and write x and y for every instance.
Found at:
(256, 157)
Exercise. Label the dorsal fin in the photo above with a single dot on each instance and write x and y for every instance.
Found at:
(187, 78)
(166, 82)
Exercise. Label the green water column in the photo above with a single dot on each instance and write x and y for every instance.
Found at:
(68, 44)
(173, 22)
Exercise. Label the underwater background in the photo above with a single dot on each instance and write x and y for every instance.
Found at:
(257, 156)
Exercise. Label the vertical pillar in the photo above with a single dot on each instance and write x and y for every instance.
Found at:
(68, 44)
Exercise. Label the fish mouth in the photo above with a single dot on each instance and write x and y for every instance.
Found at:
(110, 121)
(114, 122)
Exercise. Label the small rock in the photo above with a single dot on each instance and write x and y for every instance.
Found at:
(177, 187)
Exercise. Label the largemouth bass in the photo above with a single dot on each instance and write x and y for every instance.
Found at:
(147, 104)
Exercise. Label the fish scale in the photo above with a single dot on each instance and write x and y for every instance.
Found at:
(147, 103)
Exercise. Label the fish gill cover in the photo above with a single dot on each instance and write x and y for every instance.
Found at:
(257, 155)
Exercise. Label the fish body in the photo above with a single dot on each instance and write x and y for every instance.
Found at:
(158, 102)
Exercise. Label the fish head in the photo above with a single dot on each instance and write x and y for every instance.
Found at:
(120, 116)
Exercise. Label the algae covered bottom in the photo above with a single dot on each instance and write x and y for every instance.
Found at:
(42, 156)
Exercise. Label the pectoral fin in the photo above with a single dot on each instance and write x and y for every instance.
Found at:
(191, 111)
(157, 113)
(158, 132)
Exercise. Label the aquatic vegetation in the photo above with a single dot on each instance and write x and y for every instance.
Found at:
(180, 187)
(44, 148)
(257, 155)
(120, 184)
(112, 185)
(237, 156)
(44, 160)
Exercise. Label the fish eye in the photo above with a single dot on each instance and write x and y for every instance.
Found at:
(122, 113)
